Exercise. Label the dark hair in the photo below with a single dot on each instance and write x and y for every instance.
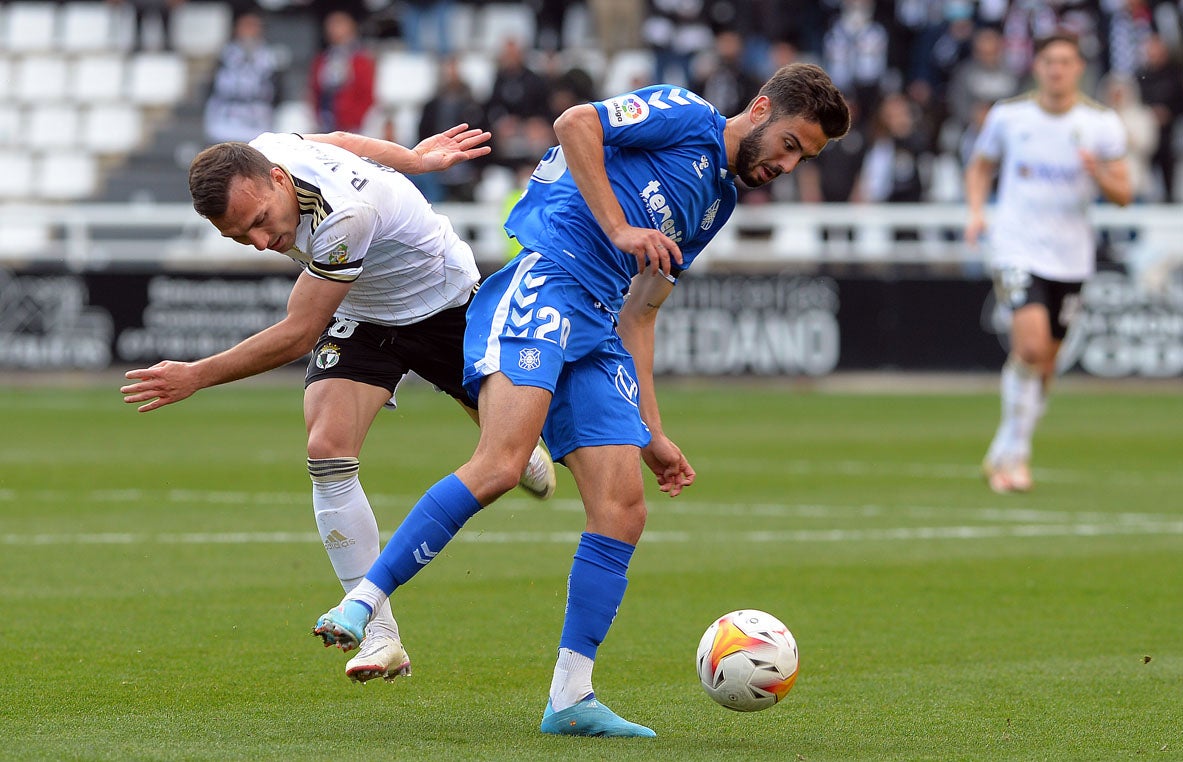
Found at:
(214, 168)
(805, 90)
(1059, 35)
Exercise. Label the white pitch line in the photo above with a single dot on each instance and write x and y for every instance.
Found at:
(887, 534)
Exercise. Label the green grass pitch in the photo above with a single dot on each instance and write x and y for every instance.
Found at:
(159, 575)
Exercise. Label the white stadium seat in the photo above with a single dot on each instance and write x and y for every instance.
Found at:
(294, 116)
(6, 74)
(30, 27)
(625, 70)
(405, 78)
(98, 78)
(19, 237)
(16, 167)
(11, 124)
(65, 176)
(497, 21)
(41, 78)
(51, 126)
(200, 29)
(156, 79)
(479, 71)
(87, 27)
(111, 128)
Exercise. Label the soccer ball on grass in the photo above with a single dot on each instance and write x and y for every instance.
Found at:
(747, 660)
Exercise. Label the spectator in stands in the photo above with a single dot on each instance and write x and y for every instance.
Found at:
(453, 103)
(342, 78)
(952, 46)
(1161, 78)
(152, 21)
(855, 53)
(518, 109)
(982, 77)
(617, 24)
(831, 177)
(246, 85)
(427, 25)
(721, 77)
(1120, 93)
(894, 167)
(1129, 27)
(676, 30)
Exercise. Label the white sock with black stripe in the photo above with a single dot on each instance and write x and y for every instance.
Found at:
(347, 525)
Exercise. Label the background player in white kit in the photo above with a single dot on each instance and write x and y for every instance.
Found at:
(384, 290)
(1056, 149)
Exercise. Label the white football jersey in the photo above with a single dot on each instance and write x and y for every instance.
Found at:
(369, 225)
(1040, 220)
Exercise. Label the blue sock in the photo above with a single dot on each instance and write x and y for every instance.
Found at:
(594, 591)
(430, 525)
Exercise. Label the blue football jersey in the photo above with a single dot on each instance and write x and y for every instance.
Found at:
(667, 163)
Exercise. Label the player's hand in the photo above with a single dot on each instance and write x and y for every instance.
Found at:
(1089, 162)
(665, 459)
(651, 248)
(451, 147)
(162, 384)
(975, 228)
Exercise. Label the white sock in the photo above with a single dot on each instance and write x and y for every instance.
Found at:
(1022, 406)
(347, 528)
(572, 679)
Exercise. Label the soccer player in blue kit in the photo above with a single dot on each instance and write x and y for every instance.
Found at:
(560, 340)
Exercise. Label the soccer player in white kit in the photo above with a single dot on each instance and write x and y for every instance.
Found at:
(385, 287)
(1054, 148)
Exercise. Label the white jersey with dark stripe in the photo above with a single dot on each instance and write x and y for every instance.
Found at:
(368, 225)
(1040, 222)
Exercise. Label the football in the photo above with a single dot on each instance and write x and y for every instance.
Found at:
(747, 660)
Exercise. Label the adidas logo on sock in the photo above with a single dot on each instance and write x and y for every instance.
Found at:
(334, 540)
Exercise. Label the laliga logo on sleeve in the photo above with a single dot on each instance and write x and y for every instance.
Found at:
(626, 109)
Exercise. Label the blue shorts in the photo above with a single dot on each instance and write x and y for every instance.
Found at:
(535, 323)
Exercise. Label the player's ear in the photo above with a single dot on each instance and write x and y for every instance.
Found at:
(760, 110)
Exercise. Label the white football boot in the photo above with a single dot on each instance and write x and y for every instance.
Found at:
(381, 655)
(539, 477)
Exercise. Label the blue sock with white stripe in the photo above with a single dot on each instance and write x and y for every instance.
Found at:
(430, 525)
(594, 592)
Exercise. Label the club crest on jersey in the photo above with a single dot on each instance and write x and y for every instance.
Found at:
(529, 359)
(626, 109)
(328, 356)
(339, 255)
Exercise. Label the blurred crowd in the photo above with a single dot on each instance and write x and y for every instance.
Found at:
(919, 74)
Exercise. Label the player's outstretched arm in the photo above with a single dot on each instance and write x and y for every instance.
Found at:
(433, 154)
(636, 326)
(979, 176)
(310, 308)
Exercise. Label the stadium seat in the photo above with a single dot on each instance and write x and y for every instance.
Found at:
(98, 78)
(200, 30)
(30, 27)
(65, 176)
(294, 116)
(41, 79)
(16, 167)
(405, 78)
(87, 27)
(51, 126)
(11, 133)
(157, 79)
(497, 21)
(111, 128)
(478, 70)
(6, 74)
(625, 70)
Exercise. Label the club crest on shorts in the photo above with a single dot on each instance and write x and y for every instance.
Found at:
(529, 359)
(626, 385)
(328, 356)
